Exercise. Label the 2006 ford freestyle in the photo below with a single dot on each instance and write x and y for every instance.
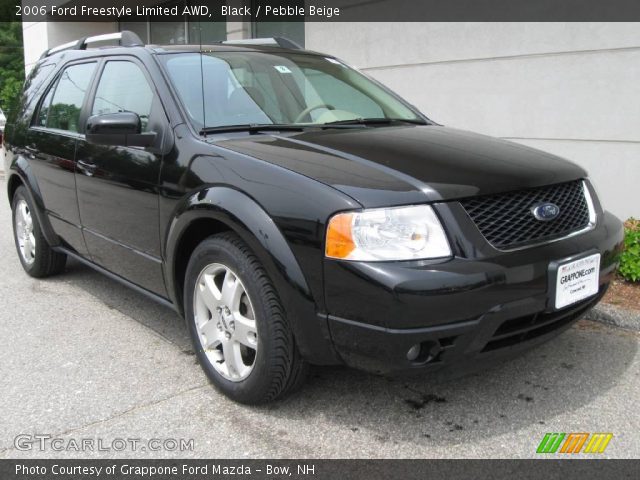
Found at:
(296, 212)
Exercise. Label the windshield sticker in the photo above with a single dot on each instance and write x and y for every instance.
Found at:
(282, 69)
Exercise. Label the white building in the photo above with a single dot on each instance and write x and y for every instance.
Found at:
(568, 88)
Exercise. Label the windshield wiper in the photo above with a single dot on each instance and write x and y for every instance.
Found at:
(263, 127)
(375, 121)
(252, 128)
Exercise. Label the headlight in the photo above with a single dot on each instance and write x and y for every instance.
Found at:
(400, 233)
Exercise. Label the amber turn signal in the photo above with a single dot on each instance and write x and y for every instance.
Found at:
(339, 236)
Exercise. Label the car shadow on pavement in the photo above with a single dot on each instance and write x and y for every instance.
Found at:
(560, 376)
(159, 318)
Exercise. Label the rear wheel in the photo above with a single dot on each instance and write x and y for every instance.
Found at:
(237, 323)
(36, 256)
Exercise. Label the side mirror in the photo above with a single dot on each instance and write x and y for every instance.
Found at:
(122, 129)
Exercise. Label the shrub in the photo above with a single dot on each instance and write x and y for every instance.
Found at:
(630, 258)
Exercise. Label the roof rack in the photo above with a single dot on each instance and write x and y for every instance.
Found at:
(278, 41)
(125, 37)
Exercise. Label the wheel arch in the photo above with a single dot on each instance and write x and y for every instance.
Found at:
(216, 209)
(195, 233)
(20, 174)
(13, 183)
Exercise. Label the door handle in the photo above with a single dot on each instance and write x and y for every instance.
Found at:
(87, 168)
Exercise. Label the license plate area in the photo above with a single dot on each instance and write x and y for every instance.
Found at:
(572, 280)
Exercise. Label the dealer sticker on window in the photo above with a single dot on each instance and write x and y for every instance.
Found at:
(282, 69)
(577, 280)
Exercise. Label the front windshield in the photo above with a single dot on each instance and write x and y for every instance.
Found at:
(277, 88)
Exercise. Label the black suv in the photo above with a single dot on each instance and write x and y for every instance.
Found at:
(296, 212)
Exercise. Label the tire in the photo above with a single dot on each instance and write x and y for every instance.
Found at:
(35, 254)
(252, 331)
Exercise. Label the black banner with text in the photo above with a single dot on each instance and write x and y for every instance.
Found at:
(317, 469)
(323, 10)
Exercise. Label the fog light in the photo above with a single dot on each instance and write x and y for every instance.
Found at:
(413, 352)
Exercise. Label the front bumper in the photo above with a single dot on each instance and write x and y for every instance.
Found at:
(480, 306)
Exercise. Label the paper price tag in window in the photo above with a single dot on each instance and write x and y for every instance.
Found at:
(282, 69)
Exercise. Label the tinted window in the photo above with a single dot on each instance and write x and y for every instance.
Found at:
(123, 88)
(34, 82)
(41, 120)
(64, 111)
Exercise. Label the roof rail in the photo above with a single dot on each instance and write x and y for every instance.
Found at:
(278, 41)
(126, 38)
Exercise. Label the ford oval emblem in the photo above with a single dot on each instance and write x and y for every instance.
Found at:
(545, 211)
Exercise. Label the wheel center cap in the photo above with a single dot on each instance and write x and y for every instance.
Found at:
(226, 320)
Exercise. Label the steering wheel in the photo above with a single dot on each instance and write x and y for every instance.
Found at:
(308, 110)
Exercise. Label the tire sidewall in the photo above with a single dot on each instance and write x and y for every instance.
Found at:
(217, 250)
(21, 194)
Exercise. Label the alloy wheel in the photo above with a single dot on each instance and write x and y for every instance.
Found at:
(24, 232)
(225, 322)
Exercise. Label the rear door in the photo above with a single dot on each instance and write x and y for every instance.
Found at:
(51, 143)
(118, 186)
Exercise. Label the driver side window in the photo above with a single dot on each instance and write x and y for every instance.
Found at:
(123, 88)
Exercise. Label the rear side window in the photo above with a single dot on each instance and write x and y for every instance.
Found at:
(41, 119)
(36, 79)
(123, 88)
(62, 110)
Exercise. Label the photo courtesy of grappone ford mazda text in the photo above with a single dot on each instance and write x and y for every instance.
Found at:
(296, 212)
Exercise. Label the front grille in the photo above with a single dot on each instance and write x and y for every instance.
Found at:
(506, 220)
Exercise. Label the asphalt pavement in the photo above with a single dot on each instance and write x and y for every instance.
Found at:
(82, 357)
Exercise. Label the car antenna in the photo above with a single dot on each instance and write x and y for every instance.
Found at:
(204, 114)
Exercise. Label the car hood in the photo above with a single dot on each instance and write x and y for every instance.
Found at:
(380, 166)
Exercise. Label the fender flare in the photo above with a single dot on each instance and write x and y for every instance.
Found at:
(246, 217)
(20, 168)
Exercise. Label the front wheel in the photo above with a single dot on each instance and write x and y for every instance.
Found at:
(237, 324)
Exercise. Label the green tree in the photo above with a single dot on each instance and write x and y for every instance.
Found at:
(11, 62)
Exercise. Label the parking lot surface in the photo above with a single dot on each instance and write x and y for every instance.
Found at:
(83, 357)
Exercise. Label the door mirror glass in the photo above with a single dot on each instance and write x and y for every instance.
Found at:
(122, 128)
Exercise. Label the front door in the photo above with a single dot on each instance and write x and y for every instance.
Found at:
(118, 186)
